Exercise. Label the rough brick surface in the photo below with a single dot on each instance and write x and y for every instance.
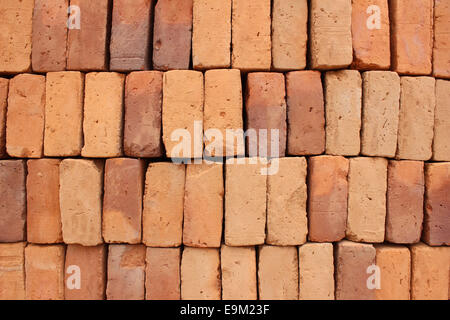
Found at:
(441, 143)
(441, 48)
(12, 271)
(162, 274)
(4, 84)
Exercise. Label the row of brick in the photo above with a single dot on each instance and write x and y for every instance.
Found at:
(105, 114)
(85, 202)
(244, 34)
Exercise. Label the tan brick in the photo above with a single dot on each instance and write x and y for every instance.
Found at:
(441, 143)
(162, 274)
(441, 48)
(12, 271)
(4, 84)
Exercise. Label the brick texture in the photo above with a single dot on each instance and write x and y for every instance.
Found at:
(162, 274)
(12, 271)
(4, 85)
(441, 48)
(441, 143)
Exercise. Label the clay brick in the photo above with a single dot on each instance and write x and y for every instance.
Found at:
(305, 113)
(143, 102)
(162, 219)
(330, 34)
(441, 143)
(43, 212)
(12, 272)
(200, 274)
(316, 271)
(251, 36)
(92, 266)
(87, 46)
(162, 274)
(395, 272)
(245, 202)
(367, 185)
(16, 30)
(371, 35)
(44, 269)
(412, 36)
(417, 101)
(289, 34)
(49, 35)
(203, 205)
(404, 210)
(223, 110)
(122, 200)
(80, 196)
(287, 224)
(126, 272)
(265, 107)
(3, 102)
(429, 272)
(172, 34)
(238, 265)
(381, 105)
(103, 111)
(327, 198)
(441, 48)
(12, 200)
(25, 116)
(63, 136)
(343, 95)
(278, 273)
(130, 35)
(211, 34)
(182, 108)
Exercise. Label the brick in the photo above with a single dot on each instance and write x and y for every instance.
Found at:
(404, 202)
(278, 273)
(12, 271)
(330, 34)
(441, 48)
(63, 135)
(130, 35)
(126, 272)
(287, 223)
(49, 35)
(371, 35)
(143, 103)
(429, 272)
(327, 198)
(343, 94)
(367, 185)
(182, 108)
(305, 113)
(103, 111)
(162, 217)
(211, 34)
(395, 272)
(289, 34)
(25, 116)
(172, 34)
(238, 266)
(162, 274)
(441, 143)
(12, 200)
(223, 110)
(80, 196)
(412, 36)
(87, 46)
(43, 212)
(203, 205)
(245, 202)
(251, 36)
(16, 30)
(122, 200)
(44, 269)
(4, 84)
(417, 101)
(380, 110)
(200, 274)
(316, 272)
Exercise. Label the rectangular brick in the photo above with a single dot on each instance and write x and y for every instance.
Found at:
(122, 200)
(143, 108)
(417, 101)
(63, 135)
(251, 36)
(103, 112)
(80, 196)
(441, 143)
(4, 84)
(162, 219)
(441, 48)
(367, 185)
(305, 113)
(12, 271)
(25, 116)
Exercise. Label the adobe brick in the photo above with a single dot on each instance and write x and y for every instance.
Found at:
(12, 271)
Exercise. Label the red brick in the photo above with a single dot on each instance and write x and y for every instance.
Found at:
(12, 271)
(441, 49)
(3, 102)
(441, 143)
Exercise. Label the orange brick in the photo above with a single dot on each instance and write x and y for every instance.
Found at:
(441, 143)
(12, 271)
(441, 48)
(3, 102)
